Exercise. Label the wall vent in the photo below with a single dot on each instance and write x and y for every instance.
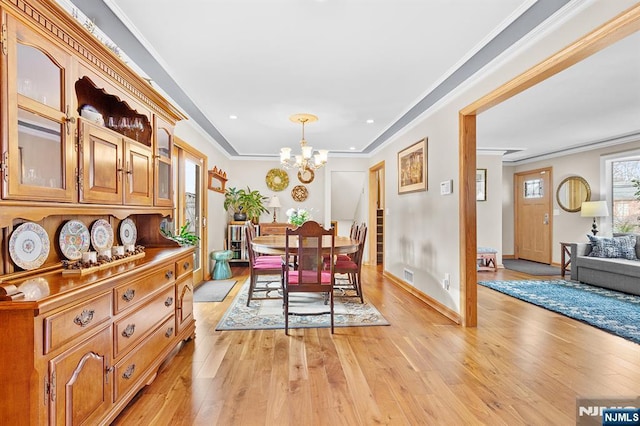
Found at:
(408, 276)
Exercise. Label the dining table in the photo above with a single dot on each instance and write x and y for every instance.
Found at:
(275, 244)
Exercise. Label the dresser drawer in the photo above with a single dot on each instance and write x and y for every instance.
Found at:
(64, 326)
(184, 266)
(133, 328)
(130, 294)
(129, 370)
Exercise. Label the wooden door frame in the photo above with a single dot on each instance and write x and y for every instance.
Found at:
(183, 147)
(605, 35)
(373, 179)
(549, 192)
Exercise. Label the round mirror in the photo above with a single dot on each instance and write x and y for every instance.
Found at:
(572, 192)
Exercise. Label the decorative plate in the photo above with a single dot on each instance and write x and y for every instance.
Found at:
(128, 232)
(299, 193)
(307, 176)
(101, 235)
(277, 179)
(74, 239)
(29, 246)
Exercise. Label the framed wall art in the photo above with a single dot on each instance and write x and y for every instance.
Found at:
(481, 184)
(412, 168)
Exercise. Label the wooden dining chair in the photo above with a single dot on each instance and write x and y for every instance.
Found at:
(261, 266)
(310, 276)
(353, 267)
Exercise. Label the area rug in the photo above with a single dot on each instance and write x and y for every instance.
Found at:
(268, 314)
(615, 312)
(213, 291)
(529, 267)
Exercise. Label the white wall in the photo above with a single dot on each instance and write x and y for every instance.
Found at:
(489, 212)
(567, 227)
(422, 229)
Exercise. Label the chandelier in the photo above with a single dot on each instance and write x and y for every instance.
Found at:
(306, 160)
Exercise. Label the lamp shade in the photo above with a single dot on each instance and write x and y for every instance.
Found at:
(594, 209)
(274, 201)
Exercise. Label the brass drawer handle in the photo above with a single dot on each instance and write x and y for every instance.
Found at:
(169, 274)
(169, 332)
(186, 265)
(168, 302)
(128, 332)
(129, 295)
(84, 318)
(129, 372)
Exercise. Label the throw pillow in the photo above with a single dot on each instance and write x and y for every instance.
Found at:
(620, 247)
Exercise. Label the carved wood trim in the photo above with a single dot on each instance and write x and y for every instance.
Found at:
(75, 37)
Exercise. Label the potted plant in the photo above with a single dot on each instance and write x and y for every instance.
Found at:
(244, 203)
(184, 237)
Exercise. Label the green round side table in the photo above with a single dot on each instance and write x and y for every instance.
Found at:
(221, 270)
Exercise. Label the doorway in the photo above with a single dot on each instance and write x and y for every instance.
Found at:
(376, 214)
(533, 219)
(190, 202)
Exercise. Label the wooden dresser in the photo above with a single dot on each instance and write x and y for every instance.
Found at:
(77, 349)
(274, 228)
(82, 138)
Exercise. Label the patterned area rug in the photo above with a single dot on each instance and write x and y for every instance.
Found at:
(268, 314)
(612, 311)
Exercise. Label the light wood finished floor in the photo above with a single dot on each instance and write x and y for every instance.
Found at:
(521, 365)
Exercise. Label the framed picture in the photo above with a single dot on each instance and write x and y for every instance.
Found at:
(481, 184)
(412, 168)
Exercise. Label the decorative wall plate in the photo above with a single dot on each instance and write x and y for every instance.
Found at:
(306, 176)
(299, 193)
(74, 239)
(277, 179)
(128, 232)
(29, 246)
(101, 235)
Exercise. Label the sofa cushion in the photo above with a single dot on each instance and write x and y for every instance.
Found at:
(617, 247)
(615, 266)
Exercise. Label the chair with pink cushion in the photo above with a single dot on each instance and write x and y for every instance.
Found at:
(353, 267)
(261, 266)
(305, 242)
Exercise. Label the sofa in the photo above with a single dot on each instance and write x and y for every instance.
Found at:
(608, 270)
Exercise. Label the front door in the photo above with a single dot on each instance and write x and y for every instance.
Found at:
(533, 215)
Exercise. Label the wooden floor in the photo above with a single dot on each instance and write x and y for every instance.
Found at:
(521, 365)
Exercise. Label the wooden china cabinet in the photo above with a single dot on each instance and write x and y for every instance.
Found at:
(82, 138)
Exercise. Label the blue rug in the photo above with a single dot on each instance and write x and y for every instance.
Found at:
(612, 311)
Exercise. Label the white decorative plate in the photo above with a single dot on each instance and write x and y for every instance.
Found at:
(29, 246)
(74, 239)
(101, 235)
(128, 232)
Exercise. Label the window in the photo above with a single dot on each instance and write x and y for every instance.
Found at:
(625, 194)
(534, 188)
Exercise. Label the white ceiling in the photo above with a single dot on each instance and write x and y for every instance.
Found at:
(348, 61)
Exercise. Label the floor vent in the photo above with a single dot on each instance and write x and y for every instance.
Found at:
(408, 276)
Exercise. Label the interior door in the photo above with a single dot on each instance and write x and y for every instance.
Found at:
(190, 201)
(533, 215)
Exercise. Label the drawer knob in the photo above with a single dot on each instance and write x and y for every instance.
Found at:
(84, 318)
(129, 295)
(168, 302)
(129, 372)
(128, 332)
(169, 274)
(186, 265)
(169, 332)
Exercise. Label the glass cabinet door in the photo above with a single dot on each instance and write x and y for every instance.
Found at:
(163, 137)
(39, 156)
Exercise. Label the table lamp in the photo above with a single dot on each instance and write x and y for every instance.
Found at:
(274, 203)
(594, 209)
